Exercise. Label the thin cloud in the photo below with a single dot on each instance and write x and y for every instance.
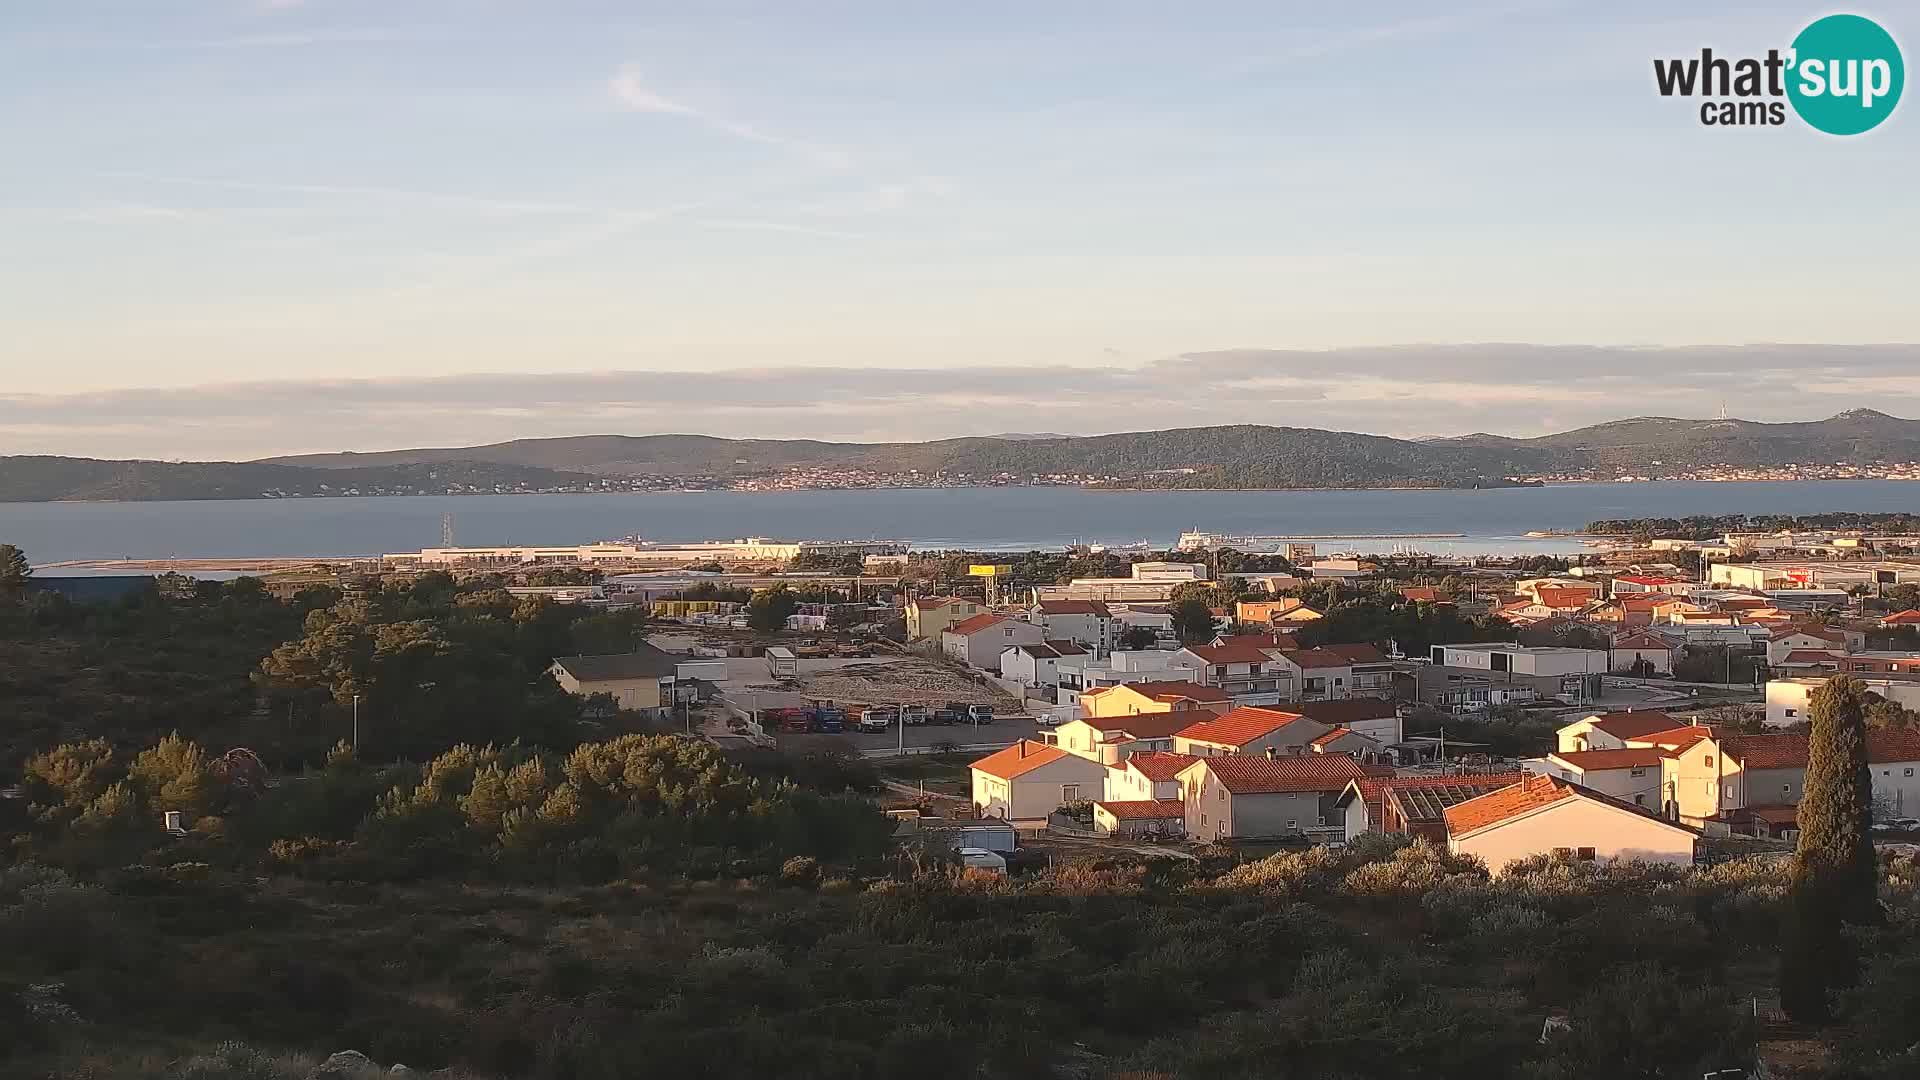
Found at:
(442, 199)
(631, 92)
(1512, 389)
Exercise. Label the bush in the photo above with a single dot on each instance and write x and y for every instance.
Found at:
(1414, 871)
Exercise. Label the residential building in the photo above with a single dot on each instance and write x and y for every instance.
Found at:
(1027, 781)
(1079, 674)
(1412, 805)
(1112, 740)
(1544, 815)
(1150, 581)
(1251, 673)
(1256, 613)
(1036, 664)
(1146, 776)
(639, 681)
(1788, 699)
(977, 642)
(1131, 699)
(1881, 662)
(1245, 796)
(1642, 650)
(1088, 623)
(1788, 639)
(1754, 782)
(1612, 730)
(1351, 743)
(1376, 718)
(1250, 730)
(1630, 775)
(1627, 584)
(1909, 617)
(1466, 675)
(929, 617)
(1153, 818)
(1371, 672)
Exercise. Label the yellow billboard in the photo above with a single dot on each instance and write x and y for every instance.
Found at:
(989, 570)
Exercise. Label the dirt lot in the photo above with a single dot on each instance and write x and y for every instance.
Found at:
(907, 681)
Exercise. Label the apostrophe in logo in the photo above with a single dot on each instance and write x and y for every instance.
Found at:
(1845, 74)
(1842, 75)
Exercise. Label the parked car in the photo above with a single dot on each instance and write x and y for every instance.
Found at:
(974, 858)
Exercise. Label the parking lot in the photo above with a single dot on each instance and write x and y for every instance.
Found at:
(923, 738)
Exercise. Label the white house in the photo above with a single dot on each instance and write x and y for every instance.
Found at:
(1632, 647)
(1788, 639)
(1036, 664)
(1787, 699)
(1250, 795)
(1027, 781)
(1085, 622)
(1612, 731)
(1145, 776)
(977, 642)
(1632, 775)
(1547, 815)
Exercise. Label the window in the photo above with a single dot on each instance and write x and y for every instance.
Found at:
(1640, 799)
(1907, 772)
(1069, 792)
(1223, 795)
(1586, 854)
(1709, 761)
(1793, 712)
(1293, 826)
(1563, 852)
(1787, 789)
(1638, 770)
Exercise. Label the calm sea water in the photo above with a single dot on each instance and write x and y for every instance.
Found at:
(987, 518)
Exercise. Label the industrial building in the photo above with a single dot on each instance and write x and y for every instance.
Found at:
(748, 550)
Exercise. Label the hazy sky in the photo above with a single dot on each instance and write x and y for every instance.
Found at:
(240, 227)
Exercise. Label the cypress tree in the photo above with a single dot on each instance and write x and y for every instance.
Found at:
(1835, 878)
(1836, 811)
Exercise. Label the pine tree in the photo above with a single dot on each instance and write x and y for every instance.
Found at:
(14, 571)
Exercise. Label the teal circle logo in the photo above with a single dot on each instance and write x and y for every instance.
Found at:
(1845, 75)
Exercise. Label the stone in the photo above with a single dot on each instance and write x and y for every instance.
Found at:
(344, 1063)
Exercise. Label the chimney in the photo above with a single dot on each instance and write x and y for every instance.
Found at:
(1023, 748)
(172, 820)
(1273, 753)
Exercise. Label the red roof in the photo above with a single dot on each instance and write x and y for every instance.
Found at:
(1564, 597)
(1373, 789)
(976, 624)
(1428, 802)
(1022, 757)
(1789, 751)
(1074, 607)
(1254, 774)
(1240, 727)
(1159, 764)
(1820, 632)
(1529, 795)
(1638, 579)
(1422, 594)
(1642, 639)
(1145, 809)
(1146, 725)
(1361, 653)
(1811, 656)
(1632, 725)
(1909, 617)
(1163, 691)
(1318, 658)
(1594, 760)
(1679, 738)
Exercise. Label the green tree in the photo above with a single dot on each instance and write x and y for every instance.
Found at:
(1193, 620)
(769, 608)
(1138, 637)
(14, 571)
(1834, 872)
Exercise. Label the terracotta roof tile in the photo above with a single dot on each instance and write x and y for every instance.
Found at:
(1241, 726)
(1022, 757)
(1074, 607)
(1145, 809)
(1342, 712)
(1504, 803)
(1428, 801)
(1255, 774)
(976, 624)
(1632, 725)
(1909, 617)
(1361, 653)
(1159, 764)
(1318, 658)
(1230, 654)
(1592, 760)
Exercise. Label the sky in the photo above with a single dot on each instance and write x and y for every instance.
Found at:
(236, 228)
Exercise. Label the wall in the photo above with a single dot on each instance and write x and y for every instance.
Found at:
(1787, 702)
(1038, 792)
(1576, 823)
(638, 694)
(1642, 790)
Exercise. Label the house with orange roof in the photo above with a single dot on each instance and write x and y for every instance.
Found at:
(1788, 638)
(1086, 622)
(928, 617)
(1631, 775)
(1612, 730)
(1752, 783)
(1347, 741)
(1029, 780)
(1250, 730)
(1156, 818)
(1148, 775)
(1155, 696)
(978, 641)
(1412, 805)
(1375, 717)
(1112, 739)
(1631, 584)
(1248, 795)
(1544, 815)
(1909, 617)
(1631, 648)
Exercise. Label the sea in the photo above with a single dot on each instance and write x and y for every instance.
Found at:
(1492, 521)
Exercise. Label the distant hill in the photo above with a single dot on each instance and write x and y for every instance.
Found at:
(1244, 455)
(1859, 436)
(54, 479)
(1236, 456)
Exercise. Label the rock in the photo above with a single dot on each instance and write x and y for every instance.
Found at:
(401, 1070)
(344, 1063)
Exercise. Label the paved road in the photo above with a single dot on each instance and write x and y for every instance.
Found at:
(1002, 732)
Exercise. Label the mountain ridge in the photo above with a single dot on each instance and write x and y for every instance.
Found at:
(1223, 456)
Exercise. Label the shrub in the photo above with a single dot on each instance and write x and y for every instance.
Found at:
(1285, 873)
(1414, 871)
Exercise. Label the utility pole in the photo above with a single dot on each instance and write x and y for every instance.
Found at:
(356, 725)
